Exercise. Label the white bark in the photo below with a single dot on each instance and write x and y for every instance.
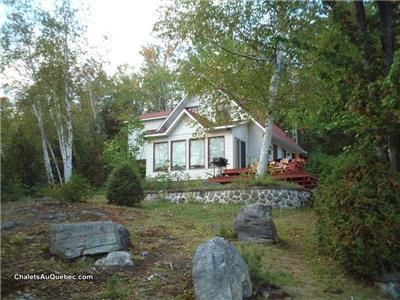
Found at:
(273, 92)
(39, 117)
(68, 104)
(55, 163)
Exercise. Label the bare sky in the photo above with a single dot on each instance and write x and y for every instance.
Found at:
(126, 23)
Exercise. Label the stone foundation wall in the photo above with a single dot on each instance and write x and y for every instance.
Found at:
(278, 198)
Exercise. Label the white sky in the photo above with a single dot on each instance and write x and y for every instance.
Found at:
(127, 24)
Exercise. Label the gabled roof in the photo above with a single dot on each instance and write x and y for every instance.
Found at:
(277, 132)
(154, 115)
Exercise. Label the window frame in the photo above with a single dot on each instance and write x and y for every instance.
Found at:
(190, 154)
(154, 156)
(208, 147)
(172, 155)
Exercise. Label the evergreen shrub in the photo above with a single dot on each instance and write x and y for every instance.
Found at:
(358, 215)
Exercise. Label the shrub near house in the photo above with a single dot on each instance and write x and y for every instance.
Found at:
(125, 186)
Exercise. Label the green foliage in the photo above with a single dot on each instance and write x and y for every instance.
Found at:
(358, 215)
(18, 239)
(116, 150)
(114, 290)
(77, 189)
(125, 186)
(320, 164)
(254, 255)
(226, 232)
(13, 191)
(166, 181)
(246, 181)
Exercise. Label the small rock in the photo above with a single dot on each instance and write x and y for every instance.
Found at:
(7, 225)
(271, 292)
(145, 253)
(25, 296)
(53, 259)
(116, 259)
(390, 285)
(392, 289)
(331, 290)
(154, 277)
(219, 272)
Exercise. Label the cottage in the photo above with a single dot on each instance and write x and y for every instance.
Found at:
(185, 140)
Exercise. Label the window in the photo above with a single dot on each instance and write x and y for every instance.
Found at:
(160, 158)
(284, 153)
(196, 149)
(178, 156)
(216, 147)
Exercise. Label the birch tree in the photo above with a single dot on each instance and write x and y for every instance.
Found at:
(19, 57)
(273, 94)
(46, 46)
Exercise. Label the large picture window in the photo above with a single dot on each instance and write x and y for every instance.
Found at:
(178, 153)
(216, 147)
(196, 154)
(161, 156)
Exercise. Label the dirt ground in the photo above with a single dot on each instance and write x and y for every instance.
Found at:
(169, 234)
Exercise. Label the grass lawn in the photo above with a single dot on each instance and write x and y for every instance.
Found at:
(170, 233)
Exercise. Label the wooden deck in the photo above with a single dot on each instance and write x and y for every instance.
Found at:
(302, 178)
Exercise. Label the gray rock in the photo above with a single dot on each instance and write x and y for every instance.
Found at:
(7, 225)
(79, 239)
(55, 216)
(219, 272)
(25, 296)
(30, 210)
(116, 259)
(94, 213)
(390, 285)
(254, 223)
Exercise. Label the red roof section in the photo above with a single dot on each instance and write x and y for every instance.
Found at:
(151, 115)
(278, 132)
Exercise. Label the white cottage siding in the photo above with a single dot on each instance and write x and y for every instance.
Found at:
(185, 130)
(242, 133)
(153, 124)
(255, 139)
(184, 123)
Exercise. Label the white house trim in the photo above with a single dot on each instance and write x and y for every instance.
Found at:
(184, 112)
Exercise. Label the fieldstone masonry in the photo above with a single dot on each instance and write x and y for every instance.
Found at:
(277, 198)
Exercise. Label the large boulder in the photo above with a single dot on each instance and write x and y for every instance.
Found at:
(219, 272)
(254, 223)
(116, 259)
(79, 239)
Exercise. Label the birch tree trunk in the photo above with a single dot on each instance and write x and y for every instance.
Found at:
(68, 140)
(273, 92)
(39, 117)
(55, 163)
